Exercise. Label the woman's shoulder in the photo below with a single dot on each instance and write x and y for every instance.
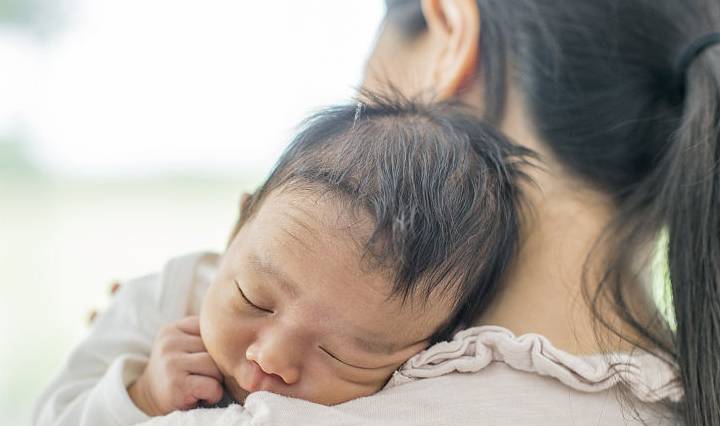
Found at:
(472, 350)
(497, 395)
(502, 395)
(528, 376)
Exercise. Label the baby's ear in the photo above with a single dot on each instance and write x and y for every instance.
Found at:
(245, 202)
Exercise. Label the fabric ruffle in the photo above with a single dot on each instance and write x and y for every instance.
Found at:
(473, 349)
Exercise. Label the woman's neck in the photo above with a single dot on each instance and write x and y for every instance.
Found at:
(543, 290)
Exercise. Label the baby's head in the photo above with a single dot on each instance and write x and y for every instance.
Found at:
(383, 228)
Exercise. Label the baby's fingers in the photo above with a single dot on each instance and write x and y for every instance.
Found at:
(189, 325)
(201, 363)
(202, 388)
(189, 344)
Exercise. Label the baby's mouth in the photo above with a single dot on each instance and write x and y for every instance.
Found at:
(251, 378)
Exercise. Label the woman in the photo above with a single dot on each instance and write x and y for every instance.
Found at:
(621, 100)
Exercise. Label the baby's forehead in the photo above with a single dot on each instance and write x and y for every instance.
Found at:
(307, 238)
(319, 215)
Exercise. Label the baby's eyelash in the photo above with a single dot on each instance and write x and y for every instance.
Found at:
(343, 362)
(242, 293)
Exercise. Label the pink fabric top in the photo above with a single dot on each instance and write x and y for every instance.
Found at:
(471, 350)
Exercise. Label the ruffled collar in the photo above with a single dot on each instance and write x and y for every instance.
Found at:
(648, 377)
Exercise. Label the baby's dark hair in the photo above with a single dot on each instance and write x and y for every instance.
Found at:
(439, 184)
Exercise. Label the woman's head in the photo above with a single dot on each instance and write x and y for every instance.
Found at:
(597, 78)
(601, 87)
(382, 229)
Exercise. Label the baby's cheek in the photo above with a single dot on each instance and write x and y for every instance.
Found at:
(336, 387)
(219, 335)
(208, 331)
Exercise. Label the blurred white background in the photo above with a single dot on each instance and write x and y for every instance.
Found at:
(128, 129)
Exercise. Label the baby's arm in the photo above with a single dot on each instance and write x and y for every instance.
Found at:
(91, 387)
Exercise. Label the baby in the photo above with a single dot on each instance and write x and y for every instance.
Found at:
(384, 227)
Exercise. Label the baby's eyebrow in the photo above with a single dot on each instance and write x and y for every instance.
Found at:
(266, 267)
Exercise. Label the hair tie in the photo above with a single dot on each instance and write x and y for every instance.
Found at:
(688, 56)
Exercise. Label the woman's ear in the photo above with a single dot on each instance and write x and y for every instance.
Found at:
(454, 27)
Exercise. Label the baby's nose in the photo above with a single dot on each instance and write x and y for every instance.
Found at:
(274, 357)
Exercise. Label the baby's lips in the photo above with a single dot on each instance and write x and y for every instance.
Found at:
(258, 380)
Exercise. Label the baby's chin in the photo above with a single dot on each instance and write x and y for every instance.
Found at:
(239, 394)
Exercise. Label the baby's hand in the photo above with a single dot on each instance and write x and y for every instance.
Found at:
(180, 372)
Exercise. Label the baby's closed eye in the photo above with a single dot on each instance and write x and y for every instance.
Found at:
(361, 366)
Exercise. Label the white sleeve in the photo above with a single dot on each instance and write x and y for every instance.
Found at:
(91, 388)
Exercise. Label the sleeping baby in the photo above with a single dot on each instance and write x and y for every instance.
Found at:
(383, 229)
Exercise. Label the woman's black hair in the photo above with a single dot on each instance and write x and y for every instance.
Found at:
(438, 185)
(599, 79)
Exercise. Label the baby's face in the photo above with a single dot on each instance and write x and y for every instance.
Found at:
(292, 311)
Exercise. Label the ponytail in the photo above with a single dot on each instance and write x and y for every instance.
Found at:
(690, 205)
